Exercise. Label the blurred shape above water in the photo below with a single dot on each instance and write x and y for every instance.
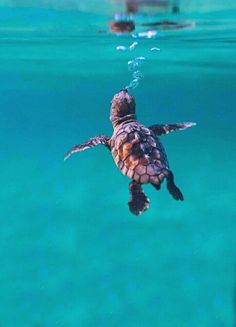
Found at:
(111, 6)
(133, 6)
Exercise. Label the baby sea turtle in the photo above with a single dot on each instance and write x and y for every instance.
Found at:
(136, 151)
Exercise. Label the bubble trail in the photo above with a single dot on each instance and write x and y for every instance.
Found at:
(133, 84)
(133, 66)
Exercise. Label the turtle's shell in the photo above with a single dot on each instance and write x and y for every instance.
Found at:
(138, 153)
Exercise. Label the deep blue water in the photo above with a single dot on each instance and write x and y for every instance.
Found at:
(71, 252)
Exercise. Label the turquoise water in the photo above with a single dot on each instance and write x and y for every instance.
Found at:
(71, 252)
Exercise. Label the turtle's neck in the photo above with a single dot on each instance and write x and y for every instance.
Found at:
(123, 120)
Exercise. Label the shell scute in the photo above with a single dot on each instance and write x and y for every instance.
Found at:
(120, 141)
(137, 150)
(144, 160)
(120, 164)
(146, 148)
(144, 178)
(131, 161)
(158, 163)
(128, 128)
(127, 147)
(134, 137)
(140, 169)
(130, 173)
(151, 170)
(156, 154)
(120, 132)
(136, 177)
(152, 142)
(124, 170)
(117, 159)
(131, 136)
(154, 179)
(139, 154)
(120, 152)
(146, 131)
(114, 152)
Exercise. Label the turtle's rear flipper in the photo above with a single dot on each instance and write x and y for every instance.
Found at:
(139, 201)
(172, 188)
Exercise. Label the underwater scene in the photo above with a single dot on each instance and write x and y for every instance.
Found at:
(74, 251)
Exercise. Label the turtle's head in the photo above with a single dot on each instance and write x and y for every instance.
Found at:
(122, 107)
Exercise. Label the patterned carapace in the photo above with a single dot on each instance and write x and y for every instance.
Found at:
(137, 151)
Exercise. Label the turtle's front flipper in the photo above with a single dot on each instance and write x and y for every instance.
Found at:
(172, 188)
(139, 201)
(100, 139)
(167, 128)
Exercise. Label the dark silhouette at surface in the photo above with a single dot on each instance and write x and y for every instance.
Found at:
(122, 26)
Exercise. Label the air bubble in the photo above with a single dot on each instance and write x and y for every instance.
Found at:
(140, 59)
(132, 85)
(155, 49)
(121, 48)
(133, 65)
(133, 45)
(137, 74)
